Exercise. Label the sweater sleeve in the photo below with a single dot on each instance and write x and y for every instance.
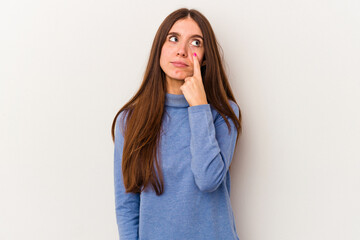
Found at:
(126, 204)
(211, 146)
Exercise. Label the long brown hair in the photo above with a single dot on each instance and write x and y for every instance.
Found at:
(144, 111)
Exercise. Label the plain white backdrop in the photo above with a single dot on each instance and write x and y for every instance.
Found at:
(66, 68)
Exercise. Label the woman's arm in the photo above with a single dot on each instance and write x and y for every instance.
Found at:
(211, 145)
(126, 204)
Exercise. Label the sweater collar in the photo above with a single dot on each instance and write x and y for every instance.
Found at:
(175, 100)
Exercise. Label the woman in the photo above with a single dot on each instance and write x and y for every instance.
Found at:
(174, 140)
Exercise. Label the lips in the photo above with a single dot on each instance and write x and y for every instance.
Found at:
(179, 64)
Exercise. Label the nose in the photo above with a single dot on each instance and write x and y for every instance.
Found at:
(182, 51)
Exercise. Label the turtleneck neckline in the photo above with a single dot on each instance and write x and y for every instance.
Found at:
(175, 100)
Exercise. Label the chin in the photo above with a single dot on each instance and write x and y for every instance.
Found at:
(179, 77)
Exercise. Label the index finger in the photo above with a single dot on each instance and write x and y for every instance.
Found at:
(197, 71)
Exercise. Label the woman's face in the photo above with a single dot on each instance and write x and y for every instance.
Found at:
(183, 39)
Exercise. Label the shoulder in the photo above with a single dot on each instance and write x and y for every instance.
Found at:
(121, 121)
(235, 107)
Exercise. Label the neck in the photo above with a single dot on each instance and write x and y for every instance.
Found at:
(173, 86)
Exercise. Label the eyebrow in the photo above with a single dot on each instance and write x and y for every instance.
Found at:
(178, 34)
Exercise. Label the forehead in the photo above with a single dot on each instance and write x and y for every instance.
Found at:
(186, 26)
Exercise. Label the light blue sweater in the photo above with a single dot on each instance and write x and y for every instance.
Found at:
(196, 150)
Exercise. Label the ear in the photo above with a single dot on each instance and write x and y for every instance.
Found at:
(203, 63)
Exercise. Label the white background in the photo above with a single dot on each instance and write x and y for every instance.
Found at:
(66, 68)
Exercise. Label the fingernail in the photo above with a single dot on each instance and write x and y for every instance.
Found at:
(195, 54)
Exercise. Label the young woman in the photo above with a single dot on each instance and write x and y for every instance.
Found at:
(175, 139)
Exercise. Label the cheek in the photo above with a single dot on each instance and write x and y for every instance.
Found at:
(164, 57)
(201, 59)
(199, 52)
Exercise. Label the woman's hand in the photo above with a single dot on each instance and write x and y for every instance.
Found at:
(193, 88)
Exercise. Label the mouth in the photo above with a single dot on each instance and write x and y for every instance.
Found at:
(179, 64)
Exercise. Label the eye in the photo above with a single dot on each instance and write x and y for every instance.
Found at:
(172, 37)
(198, 43)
